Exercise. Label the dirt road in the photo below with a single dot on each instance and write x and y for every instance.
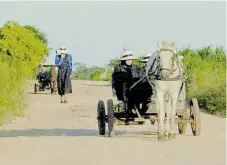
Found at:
(66, 134)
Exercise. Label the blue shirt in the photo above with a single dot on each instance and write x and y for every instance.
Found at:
(58, 61)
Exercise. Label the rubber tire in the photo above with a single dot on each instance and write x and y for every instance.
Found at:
(196, 117)
(110, 111)
(36, 88)
(101, 117)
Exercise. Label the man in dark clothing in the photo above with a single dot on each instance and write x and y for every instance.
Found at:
(123, 77)
(43, 78)
(146, 85)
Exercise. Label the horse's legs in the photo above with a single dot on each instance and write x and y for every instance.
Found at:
(168, 110)
(54, 86)
(161, 114)
(174, 98)
(51, 90)
(51, 86)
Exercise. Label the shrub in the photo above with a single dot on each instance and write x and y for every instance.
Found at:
(20, 54)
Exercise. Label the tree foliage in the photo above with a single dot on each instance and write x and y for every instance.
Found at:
(82, 72)
(39, 35)
(20, 54)
(206, 70)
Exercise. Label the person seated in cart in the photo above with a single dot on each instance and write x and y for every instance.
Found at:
(44, 78)
(146, 84)
(124, 76)
(145, 59)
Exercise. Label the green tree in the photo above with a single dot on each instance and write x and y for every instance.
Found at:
(20, 54)
(40, 35)
(114, 62)
(82, 72)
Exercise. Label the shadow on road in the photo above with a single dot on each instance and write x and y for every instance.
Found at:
(41, 93)
(67, 132)
(105, 85)
(48, 132)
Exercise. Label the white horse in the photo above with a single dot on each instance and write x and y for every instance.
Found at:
(169, 68)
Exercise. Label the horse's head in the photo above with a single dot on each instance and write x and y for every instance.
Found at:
(166, 58)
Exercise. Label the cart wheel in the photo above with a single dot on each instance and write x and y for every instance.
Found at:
(101, 117)
(182, 126)
(36, 88)
(111, 131)
(195, 116)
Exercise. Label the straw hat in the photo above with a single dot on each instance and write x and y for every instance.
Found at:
(127, 55)
(146, 57)
(63, 50)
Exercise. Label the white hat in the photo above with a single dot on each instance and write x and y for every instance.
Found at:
(146, 57)
(127, 55)
(63, 50)
(145, 60)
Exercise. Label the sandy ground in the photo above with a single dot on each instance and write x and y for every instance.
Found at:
(67, 134)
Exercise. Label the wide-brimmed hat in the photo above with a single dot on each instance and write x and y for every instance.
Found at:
(63, 50)
(145, 60)
(127, 55)
(146, 57)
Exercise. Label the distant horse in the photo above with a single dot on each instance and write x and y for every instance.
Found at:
(53, 79)
(169, 81)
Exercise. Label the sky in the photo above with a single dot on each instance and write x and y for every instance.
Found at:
(95, 32)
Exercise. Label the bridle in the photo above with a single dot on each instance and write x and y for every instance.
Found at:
(174, 59)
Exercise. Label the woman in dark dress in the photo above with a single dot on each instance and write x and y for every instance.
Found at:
(64, 64)
(124, 76)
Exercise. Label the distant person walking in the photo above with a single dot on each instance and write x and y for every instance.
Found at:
(64, 64)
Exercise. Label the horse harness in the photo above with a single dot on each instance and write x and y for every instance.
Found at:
(171, 70)
(158, 69)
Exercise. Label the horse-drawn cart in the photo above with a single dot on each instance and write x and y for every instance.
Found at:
(168, 104)
(50, 82)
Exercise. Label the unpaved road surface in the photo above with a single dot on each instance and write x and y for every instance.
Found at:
(66, 134)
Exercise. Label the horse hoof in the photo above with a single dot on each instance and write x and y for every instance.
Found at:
(161, 137)
(171, 136)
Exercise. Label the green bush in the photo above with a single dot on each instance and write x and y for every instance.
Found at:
(206, 71)
(20, 54)
(101, 74)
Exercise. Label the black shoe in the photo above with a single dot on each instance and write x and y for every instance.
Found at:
(144, 109)
(143, 112)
